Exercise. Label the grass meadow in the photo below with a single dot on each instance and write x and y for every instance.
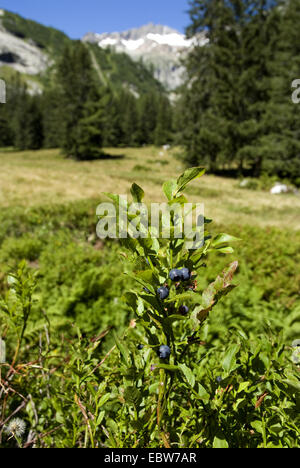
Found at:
(39, 177)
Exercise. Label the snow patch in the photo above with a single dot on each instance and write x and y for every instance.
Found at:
(109, 41)
(173, 39)
(133, 44)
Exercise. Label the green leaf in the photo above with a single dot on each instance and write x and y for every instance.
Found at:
(258, 426)
(175, 318)
(275, 428)
(243, 386)
(104, 399)
(168, 367)
(188, 373)
(203, 394)
(169, 189)
(137, 193)
(179, 200)
(229, 361)
(60, 418)
(154, 387)
(100, 417)
(189, 295)
(149, 277)
(123, 351)
(225, 250)
(130, 298)
(293, 384)
(187, 177)
(143, 283)
(220, 442)
(132, 395)
(224, 239)
(118, 201)
(156, 319)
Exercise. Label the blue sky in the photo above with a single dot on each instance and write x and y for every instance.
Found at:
(77, 17)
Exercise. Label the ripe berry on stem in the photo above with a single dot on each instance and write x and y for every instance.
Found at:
(163, 293)
(164, 352)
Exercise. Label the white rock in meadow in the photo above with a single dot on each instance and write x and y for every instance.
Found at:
(279, 188)
(244, 183)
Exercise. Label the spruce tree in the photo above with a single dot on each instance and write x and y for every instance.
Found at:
(163, 129)
(148, 111)
(112, 120)
(51, 108)
(89, 130)
(130, 119)
(80, 114)
(229, 82)
(28, 125)
(282, 142)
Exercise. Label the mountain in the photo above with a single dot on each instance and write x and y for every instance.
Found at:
(159, 47)
(33, 50)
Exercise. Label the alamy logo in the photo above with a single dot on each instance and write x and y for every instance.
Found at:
(2, 92)
(296, 93)
(178, 221)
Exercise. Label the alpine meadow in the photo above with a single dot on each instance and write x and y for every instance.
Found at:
(150, 231)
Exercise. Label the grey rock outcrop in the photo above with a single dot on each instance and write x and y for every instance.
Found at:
(23, 56)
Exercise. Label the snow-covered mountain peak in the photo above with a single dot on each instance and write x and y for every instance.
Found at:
(160, 46)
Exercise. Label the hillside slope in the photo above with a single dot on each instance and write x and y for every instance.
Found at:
(33, 50)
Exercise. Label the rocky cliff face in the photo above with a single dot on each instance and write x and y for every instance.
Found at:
(159, 46)
(22, 55)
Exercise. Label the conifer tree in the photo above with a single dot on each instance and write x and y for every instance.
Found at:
(282, 117)
(28, 124)
(89, 130)
(229, 83)
(163, 129)
(130, 119)
(112, 119)
(51, 107)
(148, 111)
(80, 113)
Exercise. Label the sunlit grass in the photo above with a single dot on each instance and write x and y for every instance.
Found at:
(38, 177)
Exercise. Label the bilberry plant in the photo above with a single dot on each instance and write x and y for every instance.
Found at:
(170, 309)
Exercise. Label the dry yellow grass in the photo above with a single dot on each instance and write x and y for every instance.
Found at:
(37, 177)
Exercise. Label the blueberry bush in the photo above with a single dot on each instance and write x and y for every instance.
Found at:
(169, 354)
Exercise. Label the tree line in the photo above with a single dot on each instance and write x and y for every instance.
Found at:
(236, 104)
(234, 112)
(77, 113)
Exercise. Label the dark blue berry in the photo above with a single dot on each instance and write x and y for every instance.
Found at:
(164, 352)
(140, 347)
(163, 293)
(219, 379)
(183, 309)
(185, 274)
(175, 275)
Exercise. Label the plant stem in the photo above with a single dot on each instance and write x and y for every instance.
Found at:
(161, 395)
(264, 435)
